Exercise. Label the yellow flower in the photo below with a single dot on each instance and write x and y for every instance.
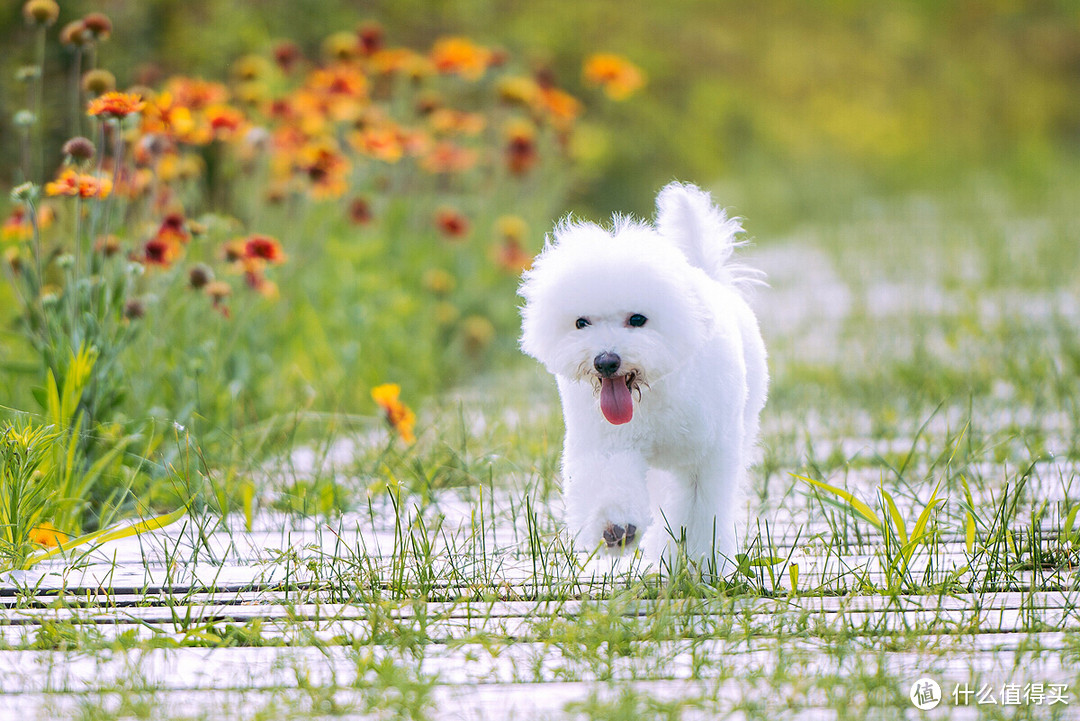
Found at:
(619, 77)
(439, 281)
(398, 415)
(478, 332)
(46, 534)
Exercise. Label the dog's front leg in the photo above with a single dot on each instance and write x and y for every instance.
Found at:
(607, 501)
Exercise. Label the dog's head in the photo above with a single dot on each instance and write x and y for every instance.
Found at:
(618, 309)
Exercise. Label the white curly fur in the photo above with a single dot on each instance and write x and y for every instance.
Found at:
(697, 367)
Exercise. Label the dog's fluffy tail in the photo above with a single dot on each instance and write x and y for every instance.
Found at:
(706, 235)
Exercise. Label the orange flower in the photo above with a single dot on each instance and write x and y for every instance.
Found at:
(116, 105)
(17, 227)
(511, 257)
(446, 157)
(460, 56)
(264, 248)
(340, 79)
(398, 415)
(287, 55)
(371, 38)
(196, 93)
(166, 116)
(360, 211)
(173, 229)
(233, 251)
(561, 107)
(448, 120)
(224, 120)
(160, 251)
(521, 153)
(219, 291)
(619, 77)
(326, 168)
(257, 280)
(46, 534)
(395, 60)
(74, 184)
(380, 143)
(451, 223)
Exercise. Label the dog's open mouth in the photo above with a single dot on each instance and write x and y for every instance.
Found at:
(616, 397)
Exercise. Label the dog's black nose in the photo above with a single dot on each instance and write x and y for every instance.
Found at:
(607, 363)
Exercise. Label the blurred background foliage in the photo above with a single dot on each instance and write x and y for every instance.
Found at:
(797, 95)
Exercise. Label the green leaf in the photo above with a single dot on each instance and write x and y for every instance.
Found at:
(967, 491)
(863, 510)
(897, 519)
(1067, 527)
(247, 497)
(52, 400)
(924, 517)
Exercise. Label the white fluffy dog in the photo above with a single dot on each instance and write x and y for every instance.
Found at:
(661, 370)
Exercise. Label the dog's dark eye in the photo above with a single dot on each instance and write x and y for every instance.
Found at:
(582, 322)
(636, 320)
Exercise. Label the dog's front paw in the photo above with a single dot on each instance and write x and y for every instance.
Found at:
(617, 536)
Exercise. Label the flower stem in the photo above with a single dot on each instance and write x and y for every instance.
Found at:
(73, 274)
(39, 121)
(75, 81)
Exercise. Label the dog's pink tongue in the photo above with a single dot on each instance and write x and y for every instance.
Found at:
(615, 401)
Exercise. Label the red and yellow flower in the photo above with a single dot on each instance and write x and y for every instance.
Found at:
(18, 227)
(451, 223)
(116, 104)
(196, 93)
(326, 168)
(72, 183)
(446, 157)
(224, 120)
(264, 248)
(382, 143)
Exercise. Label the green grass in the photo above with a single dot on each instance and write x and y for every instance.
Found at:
(400, 580)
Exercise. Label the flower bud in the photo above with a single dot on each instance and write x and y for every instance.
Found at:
(75, 34)
(41, 12)
(79, 149)
(134, 309)
(98, 25)
(27, 73)
(99, 82)
(24, 119)
(25, 193)
(200, 275)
